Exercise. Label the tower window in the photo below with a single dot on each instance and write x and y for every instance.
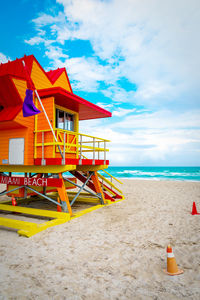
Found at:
(64, 120)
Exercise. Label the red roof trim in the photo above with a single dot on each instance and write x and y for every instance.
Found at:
(60, 91)
(49, 77)
(71, 161)
(9, 113)
(15, 68)
(53, 75)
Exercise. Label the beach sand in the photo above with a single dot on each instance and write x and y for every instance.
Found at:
(116, 252)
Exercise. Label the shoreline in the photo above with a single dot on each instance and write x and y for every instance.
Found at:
(156, 179)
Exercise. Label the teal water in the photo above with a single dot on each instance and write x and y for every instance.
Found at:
(156, 173)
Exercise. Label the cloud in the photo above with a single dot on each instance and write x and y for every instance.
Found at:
(86, 73)
(3, 58)
(121, 112)
(162, 119)
(105, 106)
(154, 45)
(45, 19)
(158, 138)
(36, 40)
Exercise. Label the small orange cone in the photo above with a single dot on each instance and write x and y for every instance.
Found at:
(194, 209)
(172, 268)
(14, 202)
(59, 209)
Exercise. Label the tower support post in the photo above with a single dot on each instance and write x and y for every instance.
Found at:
(64, 197)
(98, 187)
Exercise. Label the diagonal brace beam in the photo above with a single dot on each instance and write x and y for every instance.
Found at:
(93, 194)
(44, 196)
(85, 183)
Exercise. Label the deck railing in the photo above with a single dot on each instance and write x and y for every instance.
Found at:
(71, 144)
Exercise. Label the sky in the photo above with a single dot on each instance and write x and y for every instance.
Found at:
(139, 59)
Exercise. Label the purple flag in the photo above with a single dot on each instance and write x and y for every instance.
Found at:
(29, 108)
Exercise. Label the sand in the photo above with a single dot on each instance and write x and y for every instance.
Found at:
(116, 252)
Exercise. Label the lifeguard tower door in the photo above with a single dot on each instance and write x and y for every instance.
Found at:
(16, 151)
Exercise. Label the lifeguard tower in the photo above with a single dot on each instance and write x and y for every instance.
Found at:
(39, 150)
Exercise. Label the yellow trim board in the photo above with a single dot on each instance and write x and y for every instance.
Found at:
(26, 228)
(32, 231)
(37, 169)
(33, 211)
(29, 229)
(90, 167)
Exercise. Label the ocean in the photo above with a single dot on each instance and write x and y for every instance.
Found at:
(155, 173)
(147, 173)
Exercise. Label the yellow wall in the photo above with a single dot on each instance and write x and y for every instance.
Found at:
(62, 82)
(39, 78)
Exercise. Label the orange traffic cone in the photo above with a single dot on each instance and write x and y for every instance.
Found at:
(172, 268)
(194, 209)
(59, 209)
(14, 202)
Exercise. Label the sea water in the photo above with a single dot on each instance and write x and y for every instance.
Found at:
(155, 173)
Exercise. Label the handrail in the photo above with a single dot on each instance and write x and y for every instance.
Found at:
(74, 146)
(90, 136)
(109, 182)
(112, 176)
(74, 133)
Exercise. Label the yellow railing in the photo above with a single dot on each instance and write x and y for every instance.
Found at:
(69, 142)
(92, 145)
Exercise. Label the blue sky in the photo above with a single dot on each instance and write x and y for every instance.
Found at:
(138, 59)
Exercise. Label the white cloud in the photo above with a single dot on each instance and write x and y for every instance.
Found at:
(153, 44)
(36, 40)
(121, 112)
(157, 41)
(3, 58)
(44, 20)
(158, 138)
(163, 119)
(85, 73)
(105, 106)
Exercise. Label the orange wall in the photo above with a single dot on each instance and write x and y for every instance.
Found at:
(28, 123)
(5, 135)
(24, 129)
(42, 124)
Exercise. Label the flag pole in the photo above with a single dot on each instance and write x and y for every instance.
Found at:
(40, 101)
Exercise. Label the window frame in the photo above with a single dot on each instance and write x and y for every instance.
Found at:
(66, 113)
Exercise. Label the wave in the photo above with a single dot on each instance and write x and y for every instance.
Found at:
(171, 173)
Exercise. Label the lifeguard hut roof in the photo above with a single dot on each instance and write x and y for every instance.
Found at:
(12, 102)
(86, 109)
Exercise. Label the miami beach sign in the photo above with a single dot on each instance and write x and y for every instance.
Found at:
(54, 182)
